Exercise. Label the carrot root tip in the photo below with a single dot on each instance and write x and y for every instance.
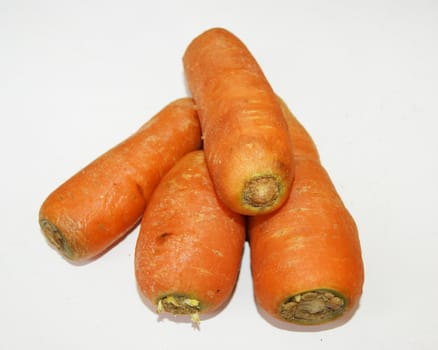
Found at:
(313, 307)
(180, 305)
(56, 238)
(261, 191)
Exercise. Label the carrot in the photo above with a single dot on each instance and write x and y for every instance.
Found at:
(246, 142)
(306, 258)
(189, 248)
(101, 203)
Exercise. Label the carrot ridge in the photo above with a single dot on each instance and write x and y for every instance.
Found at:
(105, 200)
(306, 257)
(190, 245)
(246, 141)
(205, 174)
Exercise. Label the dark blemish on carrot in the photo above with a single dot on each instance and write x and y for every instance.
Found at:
(163, 237)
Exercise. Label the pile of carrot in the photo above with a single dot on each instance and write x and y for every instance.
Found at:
(207, 173)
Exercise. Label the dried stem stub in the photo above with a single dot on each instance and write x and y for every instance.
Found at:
(313, 307)
(180, 305)
(261, 191)
(56, 238)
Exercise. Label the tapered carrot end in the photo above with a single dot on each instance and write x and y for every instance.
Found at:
(313, 307)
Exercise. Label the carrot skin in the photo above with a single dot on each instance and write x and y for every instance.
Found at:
(303, 145)
(101, 203)
(246, 141)
(190, 245)
(309, 248)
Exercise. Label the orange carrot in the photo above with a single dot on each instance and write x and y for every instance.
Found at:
(246, 141)
(306, 257)
(189, 248)
(101, 203)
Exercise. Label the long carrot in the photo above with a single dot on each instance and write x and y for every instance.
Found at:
(306, 257)
(189, 248)
(246, 142)
(101, 203)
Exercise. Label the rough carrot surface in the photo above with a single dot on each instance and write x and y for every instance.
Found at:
(246, 141)
(189, 248)
(306, 257)
(101, 203)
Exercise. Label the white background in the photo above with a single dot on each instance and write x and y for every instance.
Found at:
(77, 77)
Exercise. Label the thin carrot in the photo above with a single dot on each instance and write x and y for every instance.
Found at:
(101, 203)
(306, 257)
(246, 142)
(189, 248)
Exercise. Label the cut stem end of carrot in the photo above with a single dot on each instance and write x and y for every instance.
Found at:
(56, 238)
(313, 307)
(180, 305)
(261, 191)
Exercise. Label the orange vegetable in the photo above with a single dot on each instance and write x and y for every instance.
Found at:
(306, 257)
(189, 248)
(101, 203)
(246, 141)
